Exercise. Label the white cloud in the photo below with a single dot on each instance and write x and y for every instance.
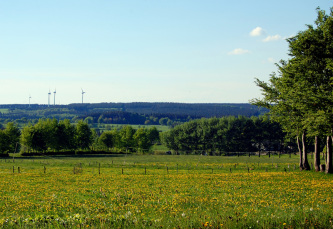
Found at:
(258, 31)
(271, 60)
(272, 38)
(238, 51)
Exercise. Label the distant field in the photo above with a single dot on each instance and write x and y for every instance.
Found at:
(4, 111)
(151, 191)
(118, 126)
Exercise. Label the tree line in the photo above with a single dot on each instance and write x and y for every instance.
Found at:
(300, 95)
(129, 118)
(227, 134)
(51, 135)
(206, 110)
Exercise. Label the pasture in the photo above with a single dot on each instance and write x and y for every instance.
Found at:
(4, 111)
(105, 127)
(159, 191)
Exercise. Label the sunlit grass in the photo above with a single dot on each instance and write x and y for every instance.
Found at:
(163, 191)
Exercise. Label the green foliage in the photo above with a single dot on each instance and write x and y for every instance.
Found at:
(84, 135)
(4, 146)
(66, 135)
(89, 120)
(163, 121)
(227, 134)
(142, 140)
(153, 135)
(108, 139)
(9, 138)
(126, 137)
(51, 135)
(300, 97)
(13, 133)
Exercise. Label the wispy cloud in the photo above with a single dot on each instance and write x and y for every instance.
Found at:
(238, 51)
(258, 31)
(271, 60)
(272, 38)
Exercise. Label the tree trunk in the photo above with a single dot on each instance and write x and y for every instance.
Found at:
(306, 165)
(328, 166)
(300, 153)
(316, 155)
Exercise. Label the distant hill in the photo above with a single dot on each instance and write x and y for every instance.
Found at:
(194, 110)
(126, 113)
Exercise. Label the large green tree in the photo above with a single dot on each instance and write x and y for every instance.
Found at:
(13, 133)
(126, 139)
(84, 135)
(108, 139)
(300, 96)
(4, 146)
(227, 134)
(66, 135)
(141, 138)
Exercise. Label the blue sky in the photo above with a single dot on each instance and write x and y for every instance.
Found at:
(145, 50)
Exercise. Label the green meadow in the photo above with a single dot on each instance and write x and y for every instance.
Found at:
(163, 191)
(119, 126)
(4, 111)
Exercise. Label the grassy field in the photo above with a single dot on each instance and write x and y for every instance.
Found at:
(160, 191)
(4, 111)
(119, 126)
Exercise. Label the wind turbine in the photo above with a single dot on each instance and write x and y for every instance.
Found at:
(54, 94)
(49, 97)
(29, 99)
(82, 94)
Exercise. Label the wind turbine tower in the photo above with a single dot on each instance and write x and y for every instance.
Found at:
(82, 94)
(29, 99)
(54, 94)
(49, 98)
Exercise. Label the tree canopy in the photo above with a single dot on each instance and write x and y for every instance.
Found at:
(300, 95)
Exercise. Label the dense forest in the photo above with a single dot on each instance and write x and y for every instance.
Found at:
(206, 110)
(141, 112)
(228, 134)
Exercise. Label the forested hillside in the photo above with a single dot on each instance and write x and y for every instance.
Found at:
(206, 110)
(127, 113)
